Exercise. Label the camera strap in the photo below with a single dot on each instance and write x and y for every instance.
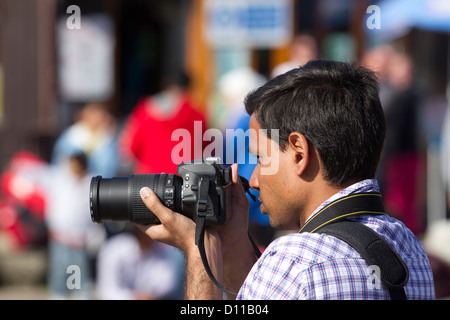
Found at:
(202, 205)
(332, 220)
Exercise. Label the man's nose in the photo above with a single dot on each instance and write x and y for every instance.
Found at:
(254, 182)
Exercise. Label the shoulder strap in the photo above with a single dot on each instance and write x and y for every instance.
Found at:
(332, 220)
(375, 251)
(370, 203)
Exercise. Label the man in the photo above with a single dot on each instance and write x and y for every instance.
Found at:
(330, 132)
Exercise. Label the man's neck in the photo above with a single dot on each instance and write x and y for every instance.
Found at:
(368, 185)
(318, 194)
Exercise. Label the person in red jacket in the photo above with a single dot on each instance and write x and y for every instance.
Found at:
(148, 136)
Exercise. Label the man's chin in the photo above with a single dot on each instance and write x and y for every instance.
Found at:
(278, 225)
(273, 223)
(263, 209)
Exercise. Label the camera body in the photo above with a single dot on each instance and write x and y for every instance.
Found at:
(198, 189)
(194, 199)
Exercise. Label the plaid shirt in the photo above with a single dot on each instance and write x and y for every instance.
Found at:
(318, 266)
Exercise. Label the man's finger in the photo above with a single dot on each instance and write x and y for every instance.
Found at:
(154, 231)
(238, 189)
(236, 180)
(153, 203)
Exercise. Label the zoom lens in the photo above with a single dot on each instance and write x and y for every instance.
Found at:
(118, 198)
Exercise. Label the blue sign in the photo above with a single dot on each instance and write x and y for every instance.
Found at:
(257, 23)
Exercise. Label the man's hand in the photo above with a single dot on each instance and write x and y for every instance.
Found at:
(237, 250)
(229, 251)
(179, 231)
(175, 229)
(237, 206)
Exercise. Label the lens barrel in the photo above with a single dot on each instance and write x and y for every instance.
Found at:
(118, 198)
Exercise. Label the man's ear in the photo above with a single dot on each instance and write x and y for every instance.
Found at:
(299, 147)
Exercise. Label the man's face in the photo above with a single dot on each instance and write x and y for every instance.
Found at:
(273, 178)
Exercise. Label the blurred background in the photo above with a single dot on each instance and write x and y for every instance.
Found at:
(97, 87)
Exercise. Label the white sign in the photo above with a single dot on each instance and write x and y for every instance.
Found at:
(248, 23)
(86, 58)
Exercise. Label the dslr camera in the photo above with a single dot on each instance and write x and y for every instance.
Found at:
(198, 189)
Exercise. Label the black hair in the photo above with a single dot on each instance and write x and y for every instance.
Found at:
(81, 159)
(178, 78)
(336, 106)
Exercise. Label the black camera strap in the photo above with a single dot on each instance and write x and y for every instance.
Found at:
(332, 220)
(202, 205)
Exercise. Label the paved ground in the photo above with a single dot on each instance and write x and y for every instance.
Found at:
(23, 292)
(22, 272)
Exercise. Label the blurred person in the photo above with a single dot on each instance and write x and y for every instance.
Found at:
(331, 130)
(146, 139)
(445, 158)
(377, 60)
(22, 201)
(303, 49)
(68, 223)
(93, 133)
(401, 165)
(131, 266)
(232, 88)
(436, 242)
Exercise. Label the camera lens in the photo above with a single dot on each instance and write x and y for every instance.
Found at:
(118, 199)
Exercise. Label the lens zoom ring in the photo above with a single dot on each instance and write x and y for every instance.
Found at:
(139, 212)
